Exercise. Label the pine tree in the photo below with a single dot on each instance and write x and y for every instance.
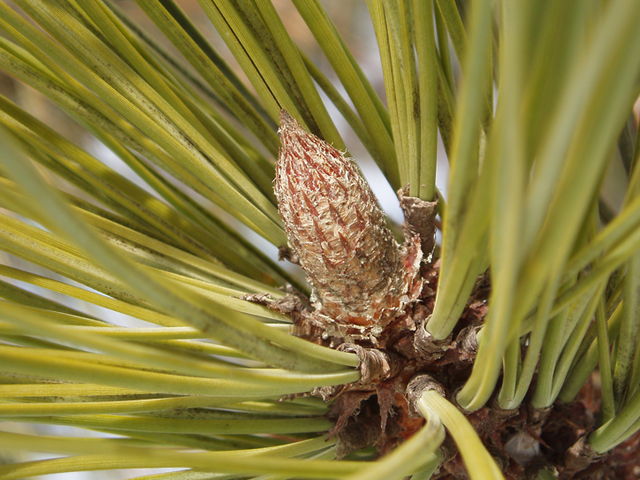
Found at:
(509, 350)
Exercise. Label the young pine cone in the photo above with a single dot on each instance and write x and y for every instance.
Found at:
(360, 275)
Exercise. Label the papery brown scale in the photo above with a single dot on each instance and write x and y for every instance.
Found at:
(335, 226)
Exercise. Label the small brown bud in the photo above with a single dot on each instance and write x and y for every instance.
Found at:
(339, 233)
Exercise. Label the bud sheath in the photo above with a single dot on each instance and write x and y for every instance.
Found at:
(335, 226)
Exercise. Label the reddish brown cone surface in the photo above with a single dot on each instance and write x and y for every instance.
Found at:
(335, 226)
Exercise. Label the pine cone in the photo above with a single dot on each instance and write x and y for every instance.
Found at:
(334, 225)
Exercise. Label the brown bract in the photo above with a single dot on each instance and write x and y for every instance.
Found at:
(360, 275)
